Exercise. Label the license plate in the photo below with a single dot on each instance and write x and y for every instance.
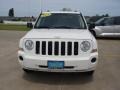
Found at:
(55, 64)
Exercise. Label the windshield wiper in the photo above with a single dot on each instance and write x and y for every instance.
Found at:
(43, 27)
(66, 27)
(62, 27)
(57, 27)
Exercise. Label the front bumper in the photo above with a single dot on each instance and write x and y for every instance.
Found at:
(72, 64)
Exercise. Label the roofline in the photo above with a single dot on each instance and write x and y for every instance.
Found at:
(71, 12)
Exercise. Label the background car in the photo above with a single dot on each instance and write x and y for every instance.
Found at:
(107, 27)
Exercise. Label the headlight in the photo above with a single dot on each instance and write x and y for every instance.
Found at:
(85, 46)
(29, 45)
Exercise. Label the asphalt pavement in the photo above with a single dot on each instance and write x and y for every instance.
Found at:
(106, 77)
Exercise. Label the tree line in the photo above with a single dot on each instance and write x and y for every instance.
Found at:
(11, 13)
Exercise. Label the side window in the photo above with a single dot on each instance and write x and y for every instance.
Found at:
(102, 22)
(117, 21)
(109, 21)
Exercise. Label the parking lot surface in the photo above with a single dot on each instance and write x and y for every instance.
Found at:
(106, 77)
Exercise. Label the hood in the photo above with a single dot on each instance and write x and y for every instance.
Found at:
(59, 34)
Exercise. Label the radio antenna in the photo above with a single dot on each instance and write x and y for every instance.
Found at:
(41, 5)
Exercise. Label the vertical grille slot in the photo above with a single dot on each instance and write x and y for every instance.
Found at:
(69, 48)
(50, 48)
(37, 47)
(56, 48)
(75, 48)
(43, 47)
(62, 48)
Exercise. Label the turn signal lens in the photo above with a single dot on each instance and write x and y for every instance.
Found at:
(21, 49)
(94, 50)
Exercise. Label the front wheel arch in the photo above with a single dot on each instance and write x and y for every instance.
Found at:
(93, 33)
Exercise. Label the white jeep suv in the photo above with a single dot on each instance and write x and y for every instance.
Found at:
(59, 42)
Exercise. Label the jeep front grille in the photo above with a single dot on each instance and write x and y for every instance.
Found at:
(57, 48)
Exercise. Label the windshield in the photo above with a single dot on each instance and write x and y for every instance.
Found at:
(101, 21)
(67, 21)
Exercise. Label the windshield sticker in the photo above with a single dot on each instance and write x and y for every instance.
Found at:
(46, 14)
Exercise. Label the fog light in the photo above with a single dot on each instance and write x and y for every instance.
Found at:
(93, 60)
(21, 58)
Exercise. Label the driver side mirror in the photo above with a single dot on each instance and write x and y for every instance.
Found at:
(29, 25)
(91, 26)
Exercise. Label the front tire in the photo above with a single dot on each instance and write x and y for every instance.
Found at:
(90, 73)
(27, 71)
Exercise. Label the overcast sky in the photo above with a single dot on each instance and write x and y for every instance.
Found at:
(33, 7)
